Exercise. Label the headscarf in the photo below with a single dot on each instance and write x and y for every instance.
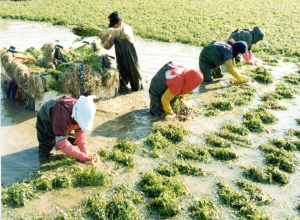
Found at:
(193, 78)
(239, 47)
(114, 19)
(83, 112)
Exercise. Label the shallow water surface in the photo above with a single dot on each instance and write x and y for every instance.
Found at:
(128, 116)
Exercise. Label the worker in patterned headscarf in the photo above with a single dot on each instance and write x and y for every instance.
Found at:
(251, 37)
(169, 81)
(57, 118)
(121, 35)
(216, 54)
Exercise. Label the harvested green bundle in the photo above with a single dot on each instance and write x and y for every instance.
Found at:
(181, 108)
(51, 82)
(86, 31)
(36, 63)
(36, 53)
(94, 60)
(48, 58)
(36, 87)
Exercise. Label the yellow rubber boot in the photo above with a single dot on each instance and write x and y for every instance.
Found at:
(165, 100)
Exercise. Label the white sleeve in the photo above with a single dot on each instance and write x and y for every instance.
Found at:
(127, 33)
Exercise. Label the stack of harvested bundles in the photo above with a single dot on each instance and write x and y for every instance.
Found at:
(91, 80)
(36, 87)
(48, 58)
(80, 53)
(36, 54)
(11, 65)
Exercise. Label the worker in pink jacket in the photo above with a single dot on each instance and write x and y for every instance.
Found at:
(57, 118)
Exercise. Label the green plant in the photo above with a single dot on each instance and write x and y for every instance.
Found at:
(285, 91)
(263, 75)
(157, 141)
(298, 121)
(281, 162)
(216, 141)
(126, 146)
(256, 193)
(223, 154)
(254, 125)
(172, 132)
(235, 128)
(235, 138)
(17, 194)
(194, 153)
(166, 205)
(91, 177)
(121, 207)
(96, 206)
(270, 96)
(189, 169)
(257, 174)
(204, 208)
(122, 158)
(62, 181)
(167, 170)
(43, 183)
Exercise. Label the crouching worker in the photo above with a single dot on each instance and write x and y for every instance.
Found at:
(216, 54)
(169, 81)
(121, 35)
(57, 118)
(251, 37)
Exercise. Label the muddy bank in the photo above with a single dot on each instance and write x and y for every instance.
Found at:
(128, 116)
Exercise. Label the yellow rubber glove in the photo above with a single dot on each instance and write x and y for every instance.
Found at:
(165, 100)
(231, 69)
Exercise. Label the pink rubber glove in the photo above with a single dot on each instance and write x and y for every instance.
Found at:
(247, 57)
(250, 54)
(81, 141)
(65, 146)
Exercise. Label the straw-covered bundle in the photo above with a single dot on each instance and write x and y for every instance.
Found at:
(21, 74)
(70, 83)
(107, 60)
(11, 66)
(91, 80)
(36, 87)
(110, 78)
(48, 58)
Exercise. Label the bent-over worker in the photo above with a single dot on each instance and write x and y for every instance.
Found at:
(121, 35)
(216, 54)
(251, 37)
(57, 118)
(169, 81)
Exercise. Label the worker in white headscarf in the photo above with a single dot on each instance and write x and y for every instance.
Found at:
(57, 118)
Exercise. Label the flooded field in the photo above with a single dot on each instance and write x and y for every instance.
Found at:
(127, 116)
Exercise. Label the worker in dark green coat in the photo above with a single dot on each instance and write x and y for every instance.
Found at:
(216, 54)
(121, 35)
(251, 37)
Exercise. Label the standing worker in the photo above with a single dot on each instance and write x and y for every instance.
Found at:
(250, 37)
(121, 35)
(169, 81)
(57, 118)
(216, 54)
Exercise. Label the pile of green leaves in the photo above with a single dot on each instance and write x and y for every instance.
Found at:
(203, 208)
(185, 167)
(174, 133)
(91, 177)
(163, 192)
(223, 154)
(194, 153)
(262, 75)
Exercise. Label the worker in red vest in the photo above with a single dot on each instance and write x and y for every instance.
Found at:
(169, 81)
(57, 118)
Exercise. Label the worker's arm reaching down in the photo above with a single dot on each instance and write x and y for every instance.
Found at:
(165, 100)
(231, 68)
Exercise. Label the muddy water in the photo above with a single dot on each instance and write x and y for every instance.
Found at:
(128, 116)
